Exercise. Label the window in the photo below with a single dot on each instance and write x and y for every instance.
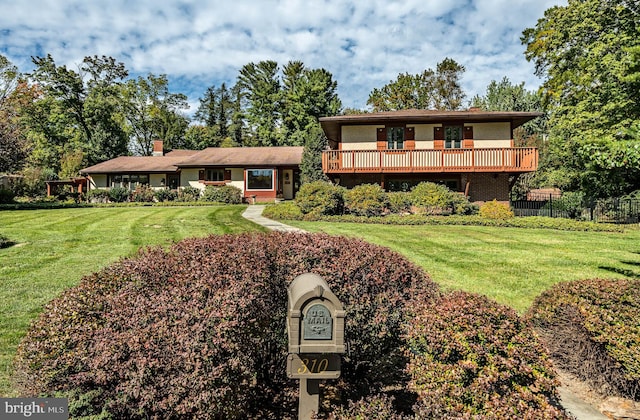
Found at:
(216, 175)
(129, 180)
(395, 137)
(260, 179)
(453, 137)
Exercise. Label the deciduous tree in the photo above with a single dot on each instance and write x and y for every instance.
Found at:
(587, 54)
(430, 89)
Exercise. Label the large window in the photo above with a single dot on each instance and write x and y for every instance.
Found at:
(260, 179)
(395, 137)
(453, 137)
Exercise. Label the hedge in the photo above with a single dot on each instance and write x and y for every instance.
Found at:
(472, 357)
(592, 329)
(197, 331)
(534, 222)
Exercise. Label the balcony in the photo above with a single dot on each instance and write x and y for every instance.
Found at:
(509, 160)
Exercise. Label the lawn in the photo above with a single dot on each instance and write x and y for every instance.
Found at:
(510, 265)
(55, 248)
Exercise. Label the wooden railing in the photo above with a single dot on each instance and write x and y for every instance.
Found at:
(448, 160)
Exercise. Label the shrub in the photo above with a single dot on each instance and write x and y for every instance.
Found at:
(377, 407)
(399, 202)
(6, 196)
(119, 195)
(474, 358)
(227, 194)
(365, 200)
(283, 211)
(198, 331)
(98, 196)
(187, 194)
(433, 199)
(165, 194)
(143, 194)
(591, 328)
(320, 198)
(495, 210)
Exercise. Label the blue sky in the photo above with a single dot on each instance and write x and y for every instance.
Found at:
(197, 44)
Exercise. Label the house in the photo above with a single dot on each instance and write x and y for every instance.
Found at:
(262, 173)
(471, 152)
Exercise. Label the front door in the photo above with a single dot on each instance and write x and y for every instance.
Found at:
(287, 184)
(173, 181)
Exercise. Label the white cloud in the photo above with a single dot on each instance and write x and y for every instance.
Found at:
(363, 44)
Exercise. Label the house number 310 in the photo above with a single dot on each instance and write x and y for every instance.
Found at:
(313, 366)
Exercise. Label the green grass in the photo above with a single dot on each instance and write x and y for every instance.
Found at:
(55, 248)
(510, 265)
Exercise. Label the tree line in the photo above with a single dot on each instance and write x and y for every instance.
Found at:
(56, 120)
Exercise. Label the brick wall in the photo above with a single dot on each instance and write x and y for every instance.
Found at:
(487, 187)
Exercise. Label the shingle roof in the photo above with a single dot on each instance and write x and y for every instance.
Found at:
(245, 156)
(213, 156)
(133, 164)
(331, 125)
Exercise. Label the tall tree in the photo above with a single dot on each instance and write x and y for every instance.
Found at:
(217, 110)
(260, 88)
(152, 112)
(311, 166)
(430, 89)
(505, 96)
(586, 53)
(16, 97)
(307, 94)
(89, 100)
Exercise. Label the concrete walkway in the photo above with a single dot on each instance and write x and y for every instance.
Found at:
(571, 402)
(254, 214)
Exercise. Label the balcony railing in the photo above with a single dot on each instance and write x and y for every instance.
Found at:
(434, 161)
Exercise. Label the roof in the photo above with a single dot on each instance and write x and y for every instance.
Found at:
(212, 156)
(133, 164)
(331, 125)
(245, 156)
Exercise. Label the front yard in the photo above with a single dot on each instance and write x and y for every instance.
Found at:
(55, 248)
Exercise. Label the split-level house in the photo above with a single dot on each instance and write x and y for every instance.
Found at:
(471, 152)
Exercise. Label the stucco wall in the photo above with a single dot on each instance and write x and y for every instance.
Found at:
(485, 135)
(359, 137)
(491, 134)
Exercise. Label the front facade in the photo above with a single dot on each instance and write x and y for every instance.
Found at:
(471, 152)
(261, 173)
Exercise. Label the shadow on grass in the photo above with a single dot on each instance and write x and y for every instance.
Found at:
(623, 271)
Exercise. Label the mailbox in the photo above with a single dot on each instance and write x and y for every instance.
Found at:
(315, 321)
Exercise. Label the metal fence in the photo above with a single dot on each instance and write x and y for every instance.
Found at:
(611, 210)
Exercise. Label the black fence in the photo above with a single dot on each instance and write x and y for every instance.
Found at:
(611, 210)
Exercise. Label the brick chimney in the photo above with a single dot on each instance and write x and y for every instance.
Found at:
(158, 148)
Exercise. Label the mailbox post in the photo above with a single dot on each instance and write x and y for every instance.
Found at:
(315, 326)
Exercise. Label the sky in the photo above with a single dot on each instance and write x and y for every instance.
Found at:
(365, 44)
